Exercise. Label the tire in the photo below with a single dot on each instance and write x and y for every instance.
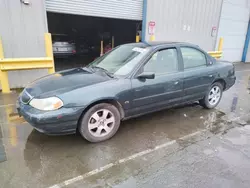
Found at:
(209, 103)
(100, 122)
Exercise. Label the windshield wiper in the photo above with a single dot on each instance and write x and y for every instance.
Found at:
(104, 70)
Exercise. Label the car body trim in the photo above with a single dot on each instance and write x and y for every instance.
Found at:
(151, 96)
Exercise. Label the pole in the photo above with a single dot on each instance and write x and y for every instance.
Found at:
(113, 42)
(3, 74)
(137, 38)
(101, 54)
(152, 37)
(49, 51)
(220, 46)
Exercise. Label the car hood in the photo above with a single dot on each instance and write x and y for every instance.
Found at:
(64, 81)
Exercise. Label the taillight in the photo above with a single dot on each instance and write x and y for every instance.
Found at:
(73, 51)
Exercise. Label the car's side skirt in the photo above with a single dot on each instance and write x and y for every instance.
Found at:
(157, 109)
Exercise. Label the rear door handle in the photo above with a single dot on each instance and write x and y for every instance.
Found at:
(210, 75)
(177, 82)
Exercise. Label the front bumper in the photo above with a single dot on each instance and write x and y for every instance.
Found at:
(59, 122)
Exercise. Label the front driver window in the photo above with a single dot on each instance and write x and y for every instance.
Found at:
(163, 61)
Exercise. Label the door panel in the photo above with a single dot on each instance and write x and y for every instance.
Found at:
(165, 89)
(198, 75)
(149, 95)
(197, 81)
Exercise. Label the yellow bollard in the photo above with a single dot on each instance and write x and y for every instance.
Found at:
(3, 74)
(101, 53)
(49, 51)
(113, 42)
(4, 81)
(137, 38)
(152, 38)
(220, 46)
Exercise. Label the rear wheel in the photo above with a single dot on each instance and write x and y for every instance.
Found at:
(213, 96)
(100, 122)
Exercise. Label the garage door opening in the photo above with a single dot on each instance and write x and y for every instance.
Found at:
(77, 39)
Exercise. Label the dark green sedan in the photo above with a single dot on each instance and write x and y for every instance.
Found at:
(129, 81)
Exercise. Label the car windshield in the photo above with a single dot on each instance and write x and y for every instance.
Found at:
(122, 59)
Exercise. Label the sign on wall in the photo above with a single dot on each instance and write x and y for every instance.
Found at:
(214, 31)
(151, 28)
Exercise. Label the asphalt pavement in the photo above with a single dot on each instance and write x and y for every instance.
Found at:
(186, 146)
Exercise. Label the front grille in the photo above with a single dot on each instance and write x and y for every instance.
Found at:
(25, 97)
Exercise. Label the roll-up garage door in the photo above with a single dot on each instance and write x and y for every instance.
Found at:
(233, 28)
(121, 9)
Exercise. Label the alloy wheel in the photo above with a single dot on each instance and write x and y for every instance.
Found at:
(214, 95)
(101, 123)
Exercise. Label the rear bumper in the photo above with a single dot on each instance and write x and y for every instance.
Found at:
(59, 122)
(63, 54)
(230, 82)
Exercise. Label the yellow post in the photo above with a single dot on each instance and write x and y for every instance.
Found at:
(4, 81)
(101, 48)
(49, 51)
(221, 44)
(152, 38)
(3, 74)
(137, 38)
(113, 42)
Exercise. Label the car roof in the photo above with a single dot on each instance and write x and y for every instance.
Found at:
(157, 43)
(162, 43)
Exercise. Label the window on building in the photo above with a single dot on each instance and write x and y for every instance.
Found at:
(163, 61)
(193, 58)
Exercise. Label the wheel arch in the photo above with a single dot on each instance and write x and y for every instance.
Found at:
(112, 101)
(222, 82)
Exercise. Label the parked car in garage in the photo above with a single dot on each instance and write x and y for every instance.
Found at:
(62, 45)
(82, 46)
(86, 48)
(129, 81)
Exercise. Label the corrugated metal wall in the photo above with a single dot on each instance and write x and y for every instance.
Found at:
(22, 31)
(184, 20)
(123, 9)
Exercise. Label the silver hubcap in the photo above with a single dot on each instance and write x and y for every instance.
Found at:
(101, 123)
(214, 95)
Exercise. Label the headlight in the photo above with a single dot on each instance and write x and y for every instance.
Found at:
(47, 104)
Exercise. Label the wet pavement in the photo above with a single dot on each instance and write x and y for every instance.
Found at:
(183, 147)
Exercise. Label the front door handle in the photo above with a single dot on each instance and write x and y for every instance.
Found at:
(210, 75)
(177, 82)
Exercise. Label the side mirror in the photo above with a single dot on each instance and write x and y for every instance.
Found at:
(146, 75)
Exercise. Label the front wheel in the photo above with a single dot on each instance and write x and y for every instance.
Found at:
(213, 96)
(100, 122)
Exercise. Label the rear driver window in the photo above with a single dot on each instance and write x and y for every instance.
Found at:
(193, 58)
(163, 61)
